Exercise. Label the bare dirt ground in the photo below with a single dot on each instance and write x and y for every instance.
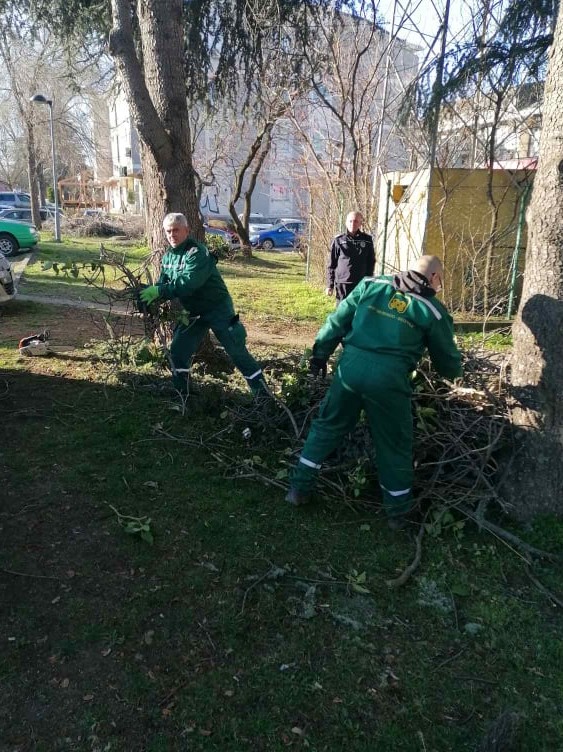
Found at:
(73, 326)
(69, 326)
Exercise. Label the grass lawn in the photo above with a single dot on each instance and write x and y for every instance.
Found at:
(269, 287)
(246, 624)
(79, 251)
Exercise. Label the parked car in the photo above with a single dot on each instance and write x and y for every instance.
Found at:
(229, 236)
(287, 220)
(280, 236)
(48, 212)
(20, 215)
(257, 223)
(24, 215)
(15, 235)
(7, 286)
(15, 199)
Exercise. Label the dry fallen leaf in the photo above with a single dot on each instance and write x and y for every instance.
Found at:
(87, 698)
(106, 652)
(64, 683)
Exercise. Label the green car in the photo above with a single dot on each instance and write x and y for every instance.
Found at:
(15, 235)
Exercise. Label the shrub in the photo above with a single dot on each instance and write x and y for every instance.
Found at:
(218, 247)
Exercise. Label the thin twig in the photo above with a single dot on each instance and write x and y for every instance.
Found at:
(542, 588)
(26, 574)
(256, 582)
(511, 538)
(413, 566)
(448, 660)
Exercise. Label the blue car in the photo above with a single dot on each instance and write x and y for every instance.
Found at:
(287, 235)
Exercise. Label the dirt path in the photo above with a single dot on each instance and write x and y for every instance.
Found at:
(301, 336)
(72, 323)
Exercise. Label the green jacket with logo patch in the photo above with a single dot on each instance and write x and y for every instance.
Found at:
(381, 320)
(189, 272)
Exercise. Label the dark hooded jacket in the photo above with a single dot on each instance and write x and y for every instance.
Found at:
(352, 257)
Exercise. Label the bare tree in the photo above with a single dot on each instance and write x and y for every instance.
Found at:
(22, 79)
(13, 169)
(346, 124)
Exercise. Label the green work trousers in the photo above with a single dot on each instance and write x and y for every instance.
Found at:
(231, 335)
(378, 385)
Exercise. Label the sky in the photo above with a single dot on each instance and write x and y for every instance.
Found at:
(421, 19)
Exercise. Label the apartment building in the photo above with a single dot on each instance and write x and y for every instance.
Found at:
(309, 132)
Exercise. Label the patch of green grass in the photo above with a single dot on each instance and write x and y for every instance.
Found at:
(500, 339)
(240, 627)
(271, 287)
(81, 252)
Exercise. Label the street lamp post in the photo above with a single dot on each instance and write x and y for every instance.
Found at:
(40, 99)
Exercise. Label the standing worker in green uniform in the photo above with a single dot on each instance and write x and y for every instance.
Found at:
(189, 272)
(385, 325)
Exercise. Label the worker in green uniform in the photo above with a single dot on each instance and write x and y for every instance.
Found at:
(385, 325)
(189, 273)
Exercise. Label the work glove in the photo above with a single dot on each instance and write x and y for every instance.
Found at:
(149, 294)
(317, 367)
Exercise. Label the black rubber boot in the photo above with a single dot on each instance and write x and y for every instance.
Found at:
(298, 498)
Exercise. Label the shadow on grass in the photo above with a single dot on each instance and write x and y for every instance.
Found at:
(241, 623)
(258, 262)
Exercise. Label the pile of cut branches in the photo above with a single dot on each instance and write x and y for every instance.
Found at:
(460, 431)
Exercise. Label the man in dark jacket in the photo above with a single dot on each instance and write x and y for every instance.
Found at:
(385, 325)
(189, 273)
(352, 258)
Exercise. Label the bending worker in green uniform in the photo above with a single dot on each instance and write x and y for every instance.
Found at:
(385, 324)
(189, 273)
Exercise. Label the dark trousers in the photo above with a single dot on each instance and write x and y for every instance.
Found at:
(232, 336)
(342, 290)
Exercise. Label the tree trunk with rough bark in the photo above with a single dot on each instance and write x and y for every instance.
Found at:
(534, 482)
(154, 83)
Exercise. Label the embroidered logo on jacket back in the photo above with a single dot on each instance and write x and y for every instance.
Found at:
(399, 303)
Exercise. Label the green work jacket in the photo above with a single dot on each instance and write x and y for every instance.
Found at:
(380, 320)
(189, 272)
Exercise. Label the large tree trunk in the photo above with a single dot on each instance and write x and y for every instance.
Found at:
(154, 84)
(535, 478)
